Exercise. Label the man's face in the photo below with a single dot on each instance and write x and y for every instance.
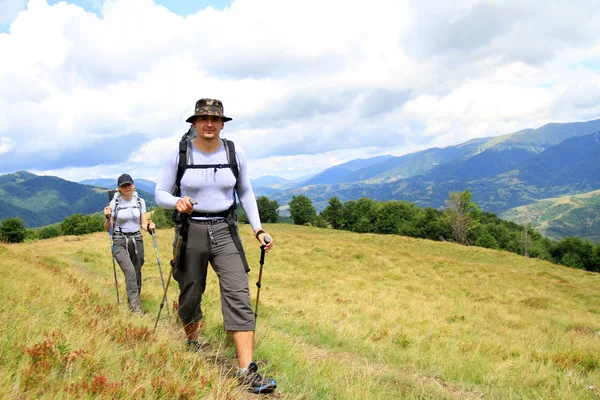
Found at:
(208, 127)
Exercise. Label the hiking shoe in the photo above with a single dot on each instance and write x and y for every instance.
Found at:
(256, 382)
(195, 345)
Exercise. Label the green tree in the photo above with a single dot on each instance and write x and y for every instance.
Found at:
(268, 210)
(319, 222)
(396, 217)
(242, 218)
(575, 253)
(95, 222)
(333, 213)
(163, 218)
(360, 215)
(486, 240)
(461, 215)
(12, 230)
(430, 224)
(302, 210)
(76, 224)
(49, 231)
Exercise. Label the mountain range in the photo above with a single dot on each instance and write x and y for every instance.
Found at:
(503, 172)
(143, 185)
(45, 200)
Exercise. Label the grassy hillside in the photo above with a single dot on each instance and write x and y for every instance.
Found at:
(556, 218)
(341, 316)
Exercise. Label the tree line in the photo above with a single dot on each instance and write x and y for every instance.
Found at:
(461, 221)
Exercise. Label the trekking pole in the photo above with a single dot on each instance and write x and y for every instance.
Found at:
(111, 194)
(258, 284)
(112, 253)
(174, 262)
(160, 272)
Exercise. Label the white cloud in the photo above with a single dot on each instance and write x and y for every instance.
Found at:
(6, 145)
(306, 82)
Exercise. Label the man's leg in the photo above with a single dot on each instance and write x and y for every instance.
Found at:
(190, 274)
(244, 343)
(238, 317)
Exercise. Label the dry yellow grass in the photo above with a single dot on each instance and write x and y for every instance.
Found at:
(341, 316)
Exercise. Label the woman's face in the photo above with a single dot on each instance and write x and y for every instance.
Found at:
(126, 189)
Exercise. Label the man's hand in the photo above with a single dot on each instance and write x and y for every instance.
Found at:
(261, 235)
(184, 205)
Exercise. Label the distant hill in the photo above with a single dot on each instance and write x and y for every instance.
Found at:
(144, 185)
(44, 200)
(270, 181)
(345, 172)
(577, 215)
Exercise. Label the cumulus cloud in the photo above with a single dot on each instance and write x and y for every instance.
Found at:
(307, 82)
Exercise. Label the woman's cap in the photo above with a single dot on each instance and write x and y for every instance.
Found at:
(124, 180)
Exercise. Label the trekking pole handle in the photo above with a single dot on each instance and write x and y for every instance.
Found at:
(262, 248)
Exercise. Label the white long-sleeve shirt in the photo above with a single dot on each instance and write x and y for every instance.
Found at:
(128, 216)
(211, 187)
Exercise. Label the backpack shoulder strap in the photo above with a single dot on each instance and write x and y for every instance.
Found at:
(181, 166)
(139, 204)
(116, 198)
(233, 165)
(183, 163)
(231, 158)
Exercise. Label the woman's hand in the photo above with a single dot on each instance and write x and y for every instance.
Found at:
(150, 227)
(107, 211)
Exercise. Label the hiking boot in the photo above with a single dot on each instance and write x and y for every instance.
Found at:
(195, 345)
(256, 382)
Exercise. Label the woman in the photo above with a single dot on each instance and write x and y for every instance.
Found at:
(126, 213)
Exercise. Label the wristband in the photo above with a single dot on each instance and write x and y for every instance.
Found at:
(260, 231)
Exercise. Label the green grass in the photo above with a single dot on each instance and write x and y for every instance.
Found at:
(341, 316)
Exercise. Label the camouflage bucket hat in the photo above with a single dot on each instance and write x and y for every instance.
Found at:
(212, 107)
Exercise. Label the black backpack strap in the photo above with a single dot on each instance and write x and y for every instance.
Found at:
(231, 158)
(181, 166)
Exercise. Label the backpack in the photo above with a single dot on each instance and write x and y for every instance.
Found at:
(117, 198)
(184, 163)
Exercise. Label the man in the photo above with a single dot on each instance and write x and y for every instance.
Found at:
(209, 234)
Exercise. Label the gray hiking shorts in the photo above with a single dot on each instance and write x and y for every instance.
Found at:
(221, 251)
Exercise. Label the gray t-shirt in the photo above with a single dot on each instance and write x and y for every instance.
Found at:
(211, 187)
(128, 217)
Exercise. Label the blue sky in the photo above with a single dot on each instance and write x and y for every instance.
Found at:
(179, 7)
(92, 88)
